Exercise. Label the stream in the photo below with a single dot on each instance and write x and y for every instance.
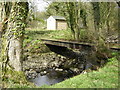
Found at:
(52, 68)
(48, 79)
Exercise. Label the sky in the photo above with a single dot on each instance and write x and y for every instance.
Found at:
(41, 4)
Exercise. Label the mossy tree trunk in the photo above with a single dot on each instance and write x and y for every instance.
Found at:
(118, 23)
(5, 8)
(13, 37)
(96, 14)
(74, 20)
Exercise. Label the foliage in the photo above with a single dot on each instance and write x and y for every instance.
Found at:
(106, 16)
(73, 14)
(96, 17)
(77, 15)
(37, 21)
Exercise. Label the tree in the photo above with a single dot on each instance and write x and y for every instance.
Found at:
(97, 17)
(118, 3)
(118, 21)
(107, 17)
(96, 13)
(74, 14)
(4, 12)
(12, 38)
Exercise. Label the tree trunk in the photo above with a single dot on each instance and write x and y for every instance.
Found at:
(108, 16)
(118, 4)
(108, 27)
(77, 35)
(5, 8)
(118, 23)
(96, 13)
(13, 38)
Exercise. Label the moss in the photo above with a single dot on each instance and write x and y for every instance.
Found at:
(14, 79)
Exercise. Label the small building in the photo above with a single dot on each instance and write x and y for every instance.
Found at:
(56, 23)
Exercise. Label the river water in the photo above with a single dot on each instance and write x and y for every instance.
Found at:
(57, 67)
(50, 78)
(46, 80)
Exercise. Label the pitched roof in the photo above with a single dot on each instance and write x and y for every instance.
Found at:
(59, 17)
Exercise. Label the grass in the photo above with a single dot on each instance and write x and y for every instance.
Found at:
(33, 37)
(48, 34)
(106, 77)
(34, 34)
(33, 43)
(14, 79)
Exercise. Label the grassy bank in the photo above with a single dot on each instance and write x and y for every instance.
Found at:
(106, 77)
(14, 79)
(48, 34)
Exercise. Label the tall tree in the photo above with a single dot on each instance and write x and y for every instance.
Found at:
(13, 36)
(5, 8)
(74, 14)
(119, 22)
(96, 13)
(108, 16)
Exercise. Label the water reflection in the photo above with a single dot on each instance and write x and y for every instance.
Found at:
(46, 80)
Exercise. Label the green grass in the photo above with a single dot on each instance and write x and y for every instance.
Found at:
(34, 34)
(106, 77)
(48, 34)
(14, 79)
(32, 41)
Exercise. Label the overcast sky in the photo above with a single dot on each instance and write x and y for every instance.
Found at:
(41, 4)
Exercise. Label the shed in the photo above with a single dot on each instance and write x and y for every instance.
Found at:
(56, 23)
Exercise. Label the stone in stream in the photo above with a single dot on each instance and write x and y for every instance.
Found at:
(58, 63)
(76, 70)
(43, 73)
(31, 74)
(37, 70)
(57, 69)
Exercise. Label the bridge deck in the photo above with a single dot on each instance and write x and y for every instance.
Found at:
(68, 44)
(72, 44)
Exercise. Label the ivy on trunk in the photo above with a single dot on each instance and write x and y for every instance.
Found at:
(13, 37)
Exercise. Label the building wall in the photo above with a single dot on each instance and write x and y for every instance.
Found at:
(61, 25)
(51, 23)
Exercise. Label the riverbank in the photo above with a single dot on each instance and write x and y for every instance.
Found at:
(106, 77)
(36, 52)
(35, 46)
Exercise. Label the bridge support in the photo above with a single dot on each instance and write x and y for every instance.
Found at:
(64, 51)
(85, 55)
